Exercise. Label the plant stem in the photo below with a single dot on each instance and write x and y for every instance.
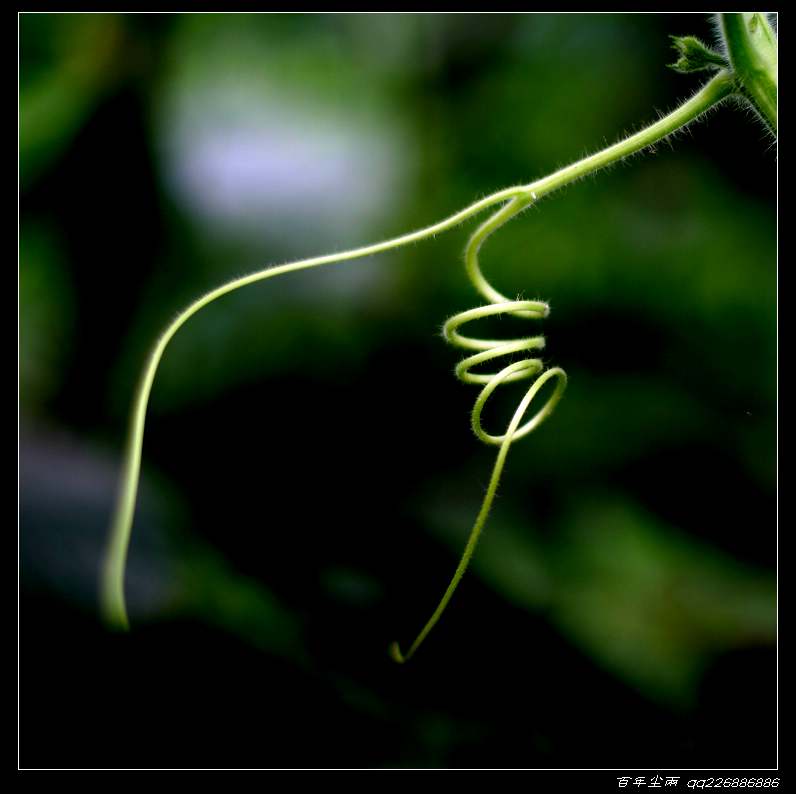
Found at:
(713, 92)
(752, 49)
(112, 584)
(112, 588)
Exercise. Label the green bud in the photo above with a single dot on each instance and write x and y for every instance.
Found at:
(695, 56)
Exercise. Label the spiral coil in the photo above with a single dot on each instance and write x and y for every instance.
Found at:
(488, 350)
(492, 349)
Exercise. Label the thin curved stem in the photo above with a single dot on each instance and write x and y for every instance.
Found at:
(112, 592)
(112, 585)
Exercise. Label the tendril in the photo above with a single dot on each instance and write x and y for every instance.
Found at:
(489, 350)
(511, 201)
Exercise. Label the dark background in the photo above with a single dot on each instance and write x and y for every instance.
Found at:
(309, 473)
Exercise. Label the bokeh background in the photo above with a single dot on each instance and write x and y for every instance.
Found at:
(309, 472)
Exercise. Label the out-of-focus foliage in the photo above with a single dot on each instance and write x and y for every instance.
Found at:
(69, 61)
(644, 600)
(46, 303)
(309, 472)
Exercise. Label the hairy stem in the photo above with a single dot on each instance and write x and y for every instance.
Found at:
(112, 585)
(752, 49)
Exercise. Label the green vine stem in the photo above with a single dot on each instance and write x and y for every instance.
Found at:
(514, 200)
(752, 50)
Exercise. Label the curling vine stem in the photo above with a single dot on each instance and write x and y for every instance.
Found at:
(112, 584)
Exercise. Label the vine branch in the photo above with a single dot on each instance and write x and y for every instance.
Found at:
(514, 199)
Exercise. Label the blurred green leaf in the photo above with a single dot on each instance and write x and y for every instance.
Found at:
(46, 321)
(68, 61)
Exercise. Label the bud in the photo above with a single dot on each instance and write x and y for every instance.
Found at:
(695, 56)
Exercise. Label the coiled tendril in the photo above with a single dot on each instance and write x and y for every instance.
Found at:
(490, 350)
(512, 201)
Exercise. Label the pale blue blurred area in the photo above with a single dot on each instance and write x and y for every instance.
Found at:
(66, 503)
(250, 150)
